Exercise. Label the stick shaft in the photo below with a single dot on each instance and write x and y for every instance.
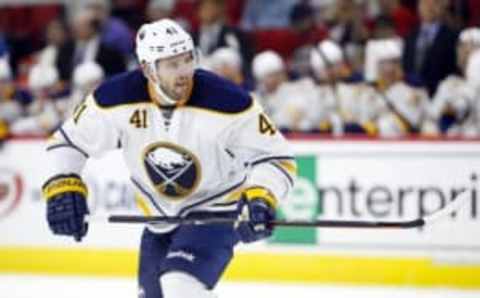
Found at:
(278, 223)
(216, 219)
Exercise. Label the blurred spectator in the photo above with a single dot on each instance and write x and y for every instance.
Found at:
(458, 14)
(23, 25)
(43, 116)
(302, 21)
(307, 34)
(400, 108)
(431, 42)
(348, 29)
(454, 108)
(57, 36)
(384, 28)
(114, 32)
(404, 21)
(269, 72)
(328, 63)
(86, 77)
(131, 12)
(3, 45)
(214, 33)
(159, 9)
(342, 92)
(299, 64)
(291, 105)
(267, 14)
(227, 63)
(88, 47)
(347, 26)
(13, 101)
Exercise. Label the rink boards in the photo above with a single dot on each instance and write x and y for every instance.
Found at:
(361, 180)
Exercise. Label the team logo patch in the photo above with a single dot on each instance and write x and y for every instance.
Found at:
(173, 170)
(10, 191)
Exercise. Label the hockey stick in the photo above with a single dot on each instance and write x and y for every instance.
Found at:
(277, 223)
(408, 224)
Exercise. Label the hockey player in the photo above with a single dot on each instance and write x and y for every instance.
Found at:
(194, 144)
(400, 107)
(292, 105)
(270, 73)
(13, 100)
(43, 115)
(86, 77)
(227, 63)
(453, 110)
(343, 98)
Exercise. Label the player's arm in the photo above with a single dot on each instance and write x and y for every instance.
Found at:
(89, 132)
(255, 140)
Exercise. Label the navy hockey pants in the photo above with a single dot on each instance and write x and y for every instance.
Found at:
(202, 251)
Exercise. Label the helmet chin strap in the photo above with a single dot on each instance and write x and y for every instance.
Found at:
(163, 99)
(167, 100)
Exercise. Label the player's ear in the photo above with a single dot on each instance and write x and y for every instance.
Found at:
(147, 71)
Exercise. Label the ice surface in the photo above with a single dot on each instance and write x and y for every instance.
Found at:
(29, 286)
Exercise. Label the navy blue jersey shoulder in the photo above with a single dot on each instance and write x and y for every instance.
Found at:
(124, 88)
(215, 93)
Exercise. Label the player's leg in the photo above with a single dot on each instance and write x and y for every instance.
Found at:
(153, 249)
(200, 255)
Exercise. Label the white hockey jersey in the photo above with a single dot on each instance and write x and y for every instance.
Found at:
(406, 110)
(195, 156)
(457, 96)
(301, 106)
(357, 102)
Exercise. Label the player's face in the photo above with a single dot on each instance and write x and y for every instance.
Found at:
(273, 80)
(390, 70)
(175, 75)
(464, 49)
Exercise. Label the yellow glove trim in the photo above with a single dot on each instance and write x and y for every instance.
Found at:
(62, 185)
(258, 192)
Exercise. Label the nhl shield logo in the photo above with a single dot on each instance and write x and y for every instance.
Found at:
(173, 170)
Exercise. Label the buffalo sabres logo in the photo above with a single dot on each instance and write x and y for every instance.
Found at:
(173, 170)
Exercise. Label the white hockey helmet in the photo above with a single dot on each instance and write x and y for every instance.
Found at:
(87, 73)
(225, 56)
(162, 39)
(327, 53)
(265, 63)
(380, 50)
(470, 35)
(42, 76)
(159, 40)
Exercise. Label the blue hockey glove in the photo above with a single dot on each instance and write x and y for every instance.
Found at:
(256, 209)
(66, 205)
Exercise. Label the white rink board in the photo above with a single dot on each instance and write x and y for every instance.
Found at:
(382, 168)
(399, 181)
